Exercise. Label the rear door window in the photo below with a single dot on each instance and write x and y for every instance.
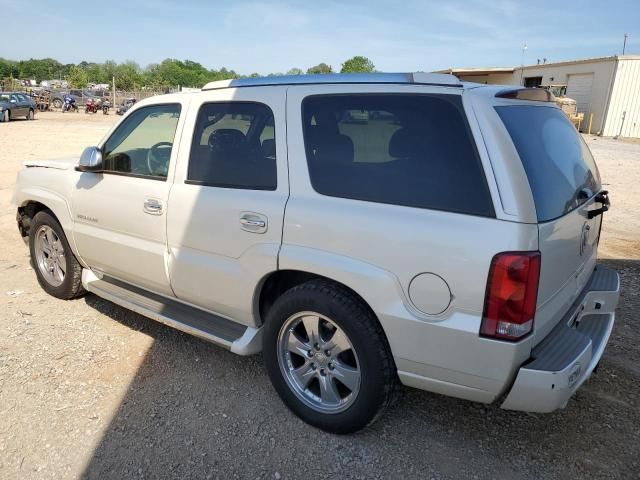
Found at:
(234, 146)
(402, 149)
(559, 166)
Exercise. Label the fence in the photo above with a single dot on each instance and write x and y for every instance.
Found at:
(51, 98)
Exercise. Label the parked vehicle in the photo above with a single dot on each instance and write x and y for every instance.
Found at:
(14, 105)
(448, 243)
(106, 105)
(69, 104)
(57, 98)
(127, 103)
(92, 105)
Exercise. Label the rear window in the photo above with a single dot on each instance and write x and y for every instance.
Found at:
(560, 168)
(412, 150)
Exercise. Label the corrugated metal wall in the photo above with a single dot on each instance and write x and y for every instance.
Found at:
(625, 100)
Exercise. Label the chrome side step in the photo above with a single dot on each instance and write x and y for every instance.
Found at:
(238, 338)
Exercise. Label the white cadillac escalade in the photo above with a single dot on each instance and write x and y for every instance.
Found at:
(360, 231)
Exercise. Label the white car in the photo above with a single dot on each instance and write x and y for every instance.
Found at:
(447, 243)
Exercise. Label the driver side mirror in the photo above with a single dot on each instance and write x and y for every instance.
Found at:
(91, 160)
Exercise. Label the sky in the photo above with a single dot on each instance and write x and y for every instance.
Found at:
(274, 36)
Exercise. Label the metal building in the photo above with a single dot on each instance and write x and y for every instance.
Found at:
(607, 89)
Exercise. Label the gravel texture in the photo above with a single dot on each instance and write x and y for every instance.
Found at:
(88, 389)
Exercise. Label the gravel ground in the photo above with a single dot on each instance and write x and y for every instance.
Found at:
(88, 389)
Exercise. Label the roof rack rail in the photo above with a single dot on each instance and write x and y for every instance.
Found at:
(420, 78)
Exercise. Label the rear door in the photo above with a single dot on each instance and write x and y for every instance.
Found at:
(565, 183)
(227, 204)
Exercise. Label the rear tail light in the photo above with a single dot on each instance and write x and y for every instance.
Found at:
(512, 292)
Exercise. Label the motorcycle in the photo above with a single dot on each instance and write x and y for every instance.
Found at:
(106, 104)
(92, 106)
(69, 104)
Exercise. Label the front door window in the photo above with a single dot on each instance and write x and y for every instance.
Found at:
(142, 144)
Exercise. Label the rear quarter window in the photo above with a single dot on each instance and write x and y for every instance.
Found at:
(413, 150)
(561, 171)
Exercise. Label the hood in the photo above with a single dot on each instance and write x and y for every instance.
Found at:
(58, 164)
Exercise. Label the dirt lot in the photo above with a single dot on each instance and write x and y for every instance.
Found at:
(88, 389)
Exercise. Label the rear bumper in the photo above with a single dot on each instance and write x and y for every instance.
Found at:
(564, 360)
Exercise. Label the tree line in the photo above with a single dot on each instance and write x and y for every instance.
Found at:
(129, 75)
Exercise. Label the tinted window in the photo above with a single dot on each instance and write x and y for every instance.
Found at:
(560, 168)
(234, 146)
(413, 150)
(142, 144)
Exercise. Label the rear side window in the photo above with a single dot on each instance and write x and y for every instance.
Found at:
(560, 168)
(234, 146)
(413, 150)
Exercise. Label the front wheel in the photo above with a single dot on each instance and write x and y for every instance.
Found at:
(57, 269)
(31, 115)
(328, 358)
(6, 116)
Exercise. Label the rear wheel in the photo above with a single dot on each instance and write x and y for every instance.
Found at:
(328, 358)
(57, 269)
(57, 103)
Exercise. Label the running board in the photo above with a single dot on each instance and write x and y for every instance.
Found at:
(238, 338)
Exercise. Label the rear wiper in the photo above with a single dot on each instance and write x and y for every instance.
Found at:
(603, 198)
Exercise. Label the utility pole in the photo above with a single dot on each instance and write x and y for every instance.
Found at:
(524, 49)
(624, 45)
(114, 91)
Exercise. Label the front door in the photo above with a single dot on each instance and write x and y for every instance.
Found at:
(120, 214)
(18, 109)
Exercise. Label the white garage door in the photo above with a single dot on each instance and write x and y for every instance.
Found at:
(579, 88)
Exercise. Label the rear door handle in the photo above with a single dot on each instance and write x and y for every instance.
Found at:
(253, 222)
(153, 206)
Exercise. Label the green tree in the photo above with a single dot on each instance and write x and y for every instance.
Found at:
(128, 76)
(320, 68)
(295, 71)
(77, 77)
(357, 64)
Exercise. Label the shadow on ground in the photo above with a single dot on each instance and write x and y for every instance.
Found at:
(195, 410)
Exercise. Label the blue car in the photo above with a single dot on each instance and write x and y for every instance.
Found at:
(14, 105)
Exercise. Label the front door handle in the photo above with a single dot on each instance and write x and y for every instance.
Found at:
(253, 222)
(153, 206)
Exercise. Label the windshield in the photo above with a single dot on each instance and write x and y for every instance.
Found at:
(559, 166)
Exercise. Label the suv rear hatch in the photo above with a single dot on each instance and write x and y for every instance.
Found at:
(566, 187)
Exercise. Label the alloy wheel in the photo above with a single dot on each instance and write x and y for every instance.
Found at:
(319, 362)
(50, 256)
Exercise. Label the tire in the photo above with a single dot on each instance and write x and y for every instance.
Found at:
(6, 116)
(69, 284)
(31, 114)
(57, 103)
(369, 355)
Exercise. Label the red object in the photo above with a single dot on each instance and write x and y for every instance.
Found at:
(511, 297)
(91, 106)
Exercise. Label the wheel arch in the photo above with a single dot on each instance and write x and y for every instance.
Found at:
(278, 282)
(379, 290)
(34, 200)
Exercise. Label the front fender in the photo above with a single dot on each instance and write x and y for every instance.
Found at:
(55, 202)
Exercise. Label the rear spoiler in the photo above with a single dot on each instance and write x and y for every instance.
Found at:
(532, 94)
